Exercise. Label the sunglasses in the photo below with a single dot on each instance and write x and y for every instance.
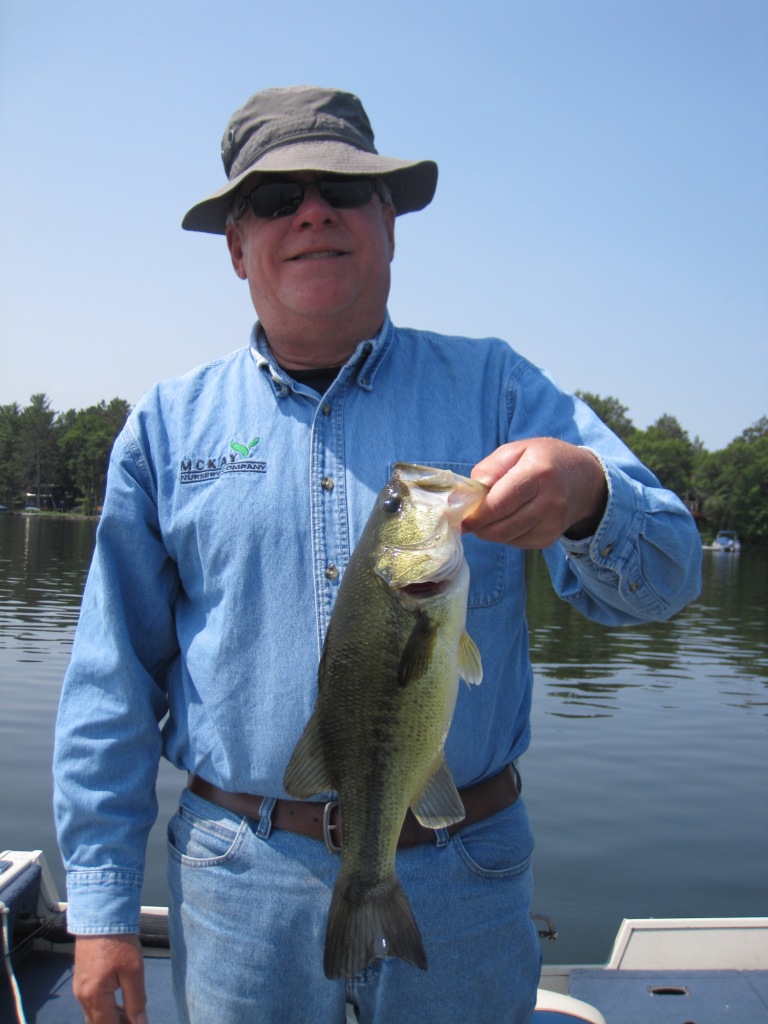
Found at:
(273, 199)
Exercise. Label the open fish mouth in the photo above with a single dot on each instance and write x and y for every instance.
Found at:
(425, 588)
(421, 552)
(457, 495)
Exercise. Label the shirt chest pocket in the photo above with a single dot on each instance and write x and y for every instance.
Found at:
(487, 561)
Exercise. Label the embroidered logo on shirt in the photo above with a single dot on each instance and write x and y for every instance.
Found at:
(195, 471)
(243, 449)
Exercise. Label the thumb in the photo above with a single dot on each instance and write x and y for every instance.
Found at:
(493, 467)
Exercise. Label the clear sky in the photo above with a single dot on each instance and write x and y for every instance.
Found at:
(602, 203)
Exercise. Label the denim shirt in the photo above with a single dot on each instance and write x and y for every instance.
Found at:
(234, 499)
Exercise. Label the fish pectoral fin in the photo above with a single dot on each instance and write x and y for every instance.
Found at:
(417, 653)
(470, 663)
(439, 805)
(306, 773)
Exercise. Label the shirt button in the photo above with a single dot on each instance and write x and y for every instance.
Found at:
(606, 550)
(326, 409)
(327, 483)
(634, 586)
(332, 572)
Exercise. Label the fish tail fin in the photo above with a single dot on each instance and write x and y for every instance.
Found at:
(363, 926)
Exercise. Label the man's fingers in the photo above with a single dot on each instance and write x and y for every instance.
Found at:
(540, 489)
(104, 964)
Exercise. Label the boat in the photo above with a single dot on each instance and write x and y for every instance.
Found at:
(726, 540)
(707, 970)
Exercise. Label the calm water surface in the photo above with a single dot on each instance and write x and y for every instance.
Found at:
(646, 779)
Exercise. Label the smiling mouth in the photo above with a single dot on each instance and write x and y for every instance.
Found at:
(326, 254)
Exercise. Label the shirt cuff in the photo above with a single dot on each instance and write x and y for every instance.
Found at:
(103, 901)
(608, 563)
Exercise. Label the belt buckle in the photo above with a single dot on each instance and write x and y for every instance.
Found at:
(328, 827)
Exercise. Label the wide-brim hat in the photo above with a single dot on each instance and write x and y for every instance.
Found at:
(306, 128)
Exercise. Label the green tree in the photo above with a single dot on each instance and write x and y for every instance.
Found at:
(87, 443)
(10, 462)
(38, 448)
(611, 412)
(735, 484)
(667, 450)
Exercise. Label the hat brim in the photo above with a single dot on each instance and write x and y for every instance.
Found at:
(412, 183)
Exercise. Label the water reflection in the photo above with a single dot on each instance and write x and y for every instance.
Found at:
(721, 637)
(43, 564)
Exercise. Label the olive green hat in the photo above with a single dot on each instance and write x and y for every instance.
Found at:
(306, 128)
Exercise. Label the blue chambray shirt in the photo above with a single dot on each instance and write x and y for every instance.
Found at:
(234, 499)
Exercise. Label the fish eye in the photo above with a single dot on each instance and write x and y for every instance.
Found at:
(392, 504)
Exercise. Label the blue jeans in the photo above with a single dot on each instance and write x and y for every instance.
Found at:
(248, 914)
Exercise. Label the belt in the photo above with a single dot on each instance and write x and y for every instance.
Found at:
(322, 821)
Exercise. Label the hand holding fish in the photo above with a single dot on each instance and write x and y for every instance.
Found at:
(540, 489)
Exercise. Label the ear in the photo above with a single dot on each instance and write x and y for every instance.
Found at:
(235, 245)
(388, 213)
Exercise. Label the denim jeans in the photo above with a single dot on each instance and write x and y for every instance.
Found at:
(248, 914)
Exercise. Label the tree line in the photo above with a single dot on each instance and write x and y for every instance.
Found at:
(58, 461)
(725, 490)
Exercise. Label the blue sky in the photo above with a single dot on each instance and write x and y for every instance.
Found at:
(602, 203)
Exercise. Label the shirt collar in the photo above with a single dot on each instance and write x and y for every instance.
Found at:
(362, 365)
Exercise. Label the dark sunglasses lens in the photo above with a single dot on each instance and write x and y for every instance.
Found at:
(283, 198)
(346, 193)
(276, 198)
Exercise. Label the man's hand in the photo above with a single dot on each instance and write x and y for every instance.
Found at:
(103, 964)
(540, 489)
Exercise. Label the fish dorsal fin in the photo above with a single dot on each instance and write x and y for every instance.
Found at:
(417, 653)
(439, 805)
(470, 663)
(306, 773)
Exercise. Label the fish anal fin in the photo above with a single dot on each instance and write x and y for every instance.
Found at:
(365, 925)
(417, 653)
(439, 805)
(306, 773)
(470, 663)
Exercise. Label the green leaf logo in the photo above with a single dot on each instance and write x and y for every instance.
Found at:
(243, 449)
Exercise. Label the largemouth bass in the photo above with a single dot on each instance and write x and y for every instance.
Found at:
(387, 684)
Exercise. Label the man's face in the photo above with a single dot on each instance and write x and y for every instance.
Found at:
(317, 267)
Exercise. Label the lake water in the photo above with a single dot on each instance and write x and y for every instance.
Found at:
(646, 779)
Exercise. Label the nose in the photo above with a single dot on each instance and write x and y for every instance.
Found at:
(313, 209)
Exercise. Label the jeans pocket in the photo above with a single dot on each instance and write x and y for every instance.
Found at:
(199, 842)
(498, 847)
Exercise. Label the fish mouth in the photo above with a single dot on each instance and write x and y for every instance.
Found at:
(425, 588)
(458, 495)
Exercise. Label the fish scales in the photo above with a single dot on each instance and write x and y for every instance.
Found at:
(387, 683)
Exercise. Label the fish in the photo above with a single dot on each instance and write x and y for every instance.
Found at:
(394, 651)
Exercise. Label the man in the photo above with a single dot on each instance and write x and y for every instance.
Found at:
(235, 496)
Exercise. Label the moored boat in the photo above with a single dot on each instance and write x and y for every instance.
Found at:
(726, 540)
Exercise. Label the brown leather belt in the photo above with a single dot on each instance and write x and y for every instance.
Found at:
(321, 821)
